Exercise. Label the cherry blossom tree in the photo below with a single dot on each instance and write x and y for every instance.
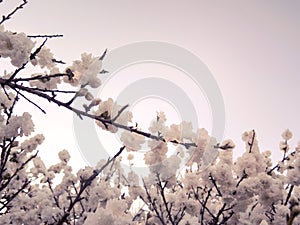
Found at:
(186, 188)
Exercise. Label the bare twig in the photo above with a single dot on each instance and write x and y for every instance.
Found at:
(162, 194)
(33, 55)
(4, 18)
(41, 77)
(45, 36)
(212, 179)
(119, 113)
(283, 160)
(289, 195)
(244, 176)
(103, 55)
(16, 72)
(153, 205)
(252, 141)
(31, 102)
(58, 61)
(4, 185)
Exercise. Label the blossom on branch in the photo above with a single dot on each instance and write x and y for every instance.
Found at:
(85, 71)
(16, 46)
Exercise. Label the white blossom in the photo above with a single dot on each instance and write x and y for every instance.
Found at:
(46, 83)
(64, 155)
(287, 135)
(109, 110)
(132, 141)
(44, 58)
(16, 46)
(157, 153)
(31, 144)
(85, 71)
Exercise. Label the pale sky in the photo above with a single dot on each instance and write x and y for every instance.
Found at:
(251, 48)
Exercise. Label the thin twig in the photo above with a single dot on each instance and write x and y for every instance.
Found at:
(119, 113)
(45, 36)
(289, 195)
(103, 55)
(52, 91)
(85, 184)
(82, 114)
(283, 160)
(58, 61)
(41, 77)
(244, 176)
(16, 72)
(212, 179)
(32, 56)
(31, 102)
(162, 194)
(4, 18)
(252, 141)
(160, 216)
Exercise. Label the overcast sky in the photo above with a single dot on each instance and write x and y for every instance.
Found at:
(251, 48)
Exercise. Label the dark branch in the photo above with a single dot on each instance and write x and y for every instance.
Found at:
(85, 184)
(4, 18)
(45, 36)
(252, 141)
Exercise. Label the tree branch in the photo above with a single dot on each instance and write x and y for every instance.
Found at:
(4, 18)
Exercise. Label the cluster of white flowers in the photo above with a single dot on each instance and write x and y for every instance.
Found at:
(46, 83)
(18, 126)
(44, 58)
(16, 46)
(132, 141)
(6, 101)
(157, 154)
(85, 71)
(109, 110)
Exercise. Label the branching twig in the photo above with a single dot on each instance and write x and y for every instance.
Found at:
(12, 196)
(212, 179)
(283, 160)
(16, 72)
(82, 114)
(4, 18)
(27, 99)
(41, 77)
(244, 176)
(85, 184)
(119, 113)
(162, 194)
(32, 56)
(153, 205)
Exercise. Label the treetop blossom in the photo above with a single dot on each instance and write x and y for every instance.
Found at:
(287, 135)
